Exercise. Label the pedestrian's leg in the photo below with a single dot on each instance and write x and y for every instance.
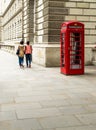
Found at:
(22, 61)
(19, 61)
(30, 60)
(26, 59)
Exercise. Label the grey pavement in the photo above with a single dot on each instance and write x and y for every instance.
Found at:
(44, 99)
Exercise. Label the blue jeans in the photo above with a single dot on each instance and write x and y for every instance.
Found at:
(21, 60)
(28, 59)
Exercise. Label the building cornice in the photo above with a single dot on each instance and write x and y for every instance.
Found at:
(8, 7)
(10, 4)
(20, 10)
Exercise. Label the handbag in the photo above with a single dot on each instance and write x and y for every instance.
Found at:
(17, 52)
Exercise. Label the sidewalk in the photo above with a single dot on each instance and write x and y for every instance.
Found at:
(44, 99)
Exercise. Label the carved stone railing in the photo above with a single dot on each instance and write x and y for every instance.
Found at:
(94, 55)
(8, 48)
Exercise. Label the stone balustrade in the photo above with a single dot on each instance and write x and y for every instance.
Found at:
(94, 55)
(8, 48)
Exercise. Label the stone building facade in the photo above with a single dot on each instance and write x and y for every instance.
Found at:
(1, 28)
(39, 21)
(12, 22)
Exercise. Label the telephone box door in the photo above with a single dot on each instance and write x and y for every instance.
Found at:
(76, 52)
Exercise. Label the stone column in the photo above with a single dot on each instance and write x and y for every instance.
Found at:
(28, 19)
(49, 15)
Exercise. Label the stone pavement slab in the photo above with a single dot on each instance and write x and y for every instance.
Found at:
(59, 121)
(10, 115)
(28, 124)
(78, 128)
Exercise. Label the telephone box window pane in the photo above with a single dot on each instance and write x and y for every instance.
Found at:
(75, 50)
(62, 50)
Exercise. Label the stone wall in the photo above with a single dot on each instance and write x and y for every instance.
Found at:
(49, 16)
(85, 12)
(0, 28)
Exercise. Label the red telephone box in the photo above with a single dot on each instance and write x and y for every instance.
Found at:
(72, 48)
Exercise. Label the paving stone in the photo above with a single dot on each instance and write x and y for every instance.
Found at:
(54, 103)
(7, 116)
(81, 101)
(29, 124)
(89, 118)
(91, 107)
(69, 110)
(20, 106)
(32, 98)
(45, 129)
(59, 121)
(59, 96)
(78, 128)
(4, 100)
(32, 92)
(37, 113)
(32, 123)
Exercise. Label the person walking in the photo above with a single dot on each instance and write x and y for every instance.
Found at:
(20, 53)
(28, 54)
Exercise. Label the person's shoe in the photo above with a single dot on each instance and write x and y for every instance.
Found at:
(29, 66)
(22, 66)
(26, 66)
